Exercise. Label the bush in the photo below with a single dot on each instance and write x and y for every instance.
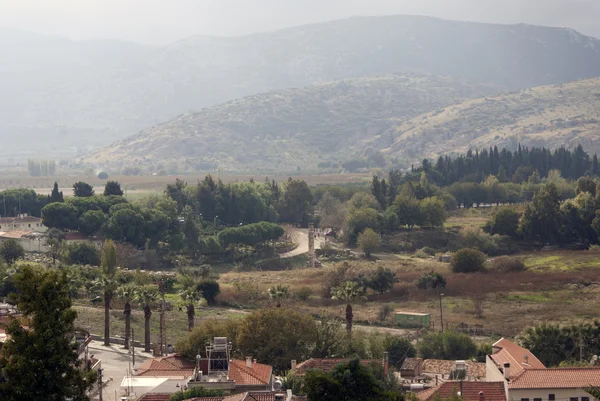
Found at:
(399, 348)
(195, 392)
(468, 260)
(381, 280)
(83, 253)
(385, 311)
(428, 250)
(209, 289)
(103, 175)
(431, 280)
(447, 345)
(505, 222)
(507, 264)
(304, 293)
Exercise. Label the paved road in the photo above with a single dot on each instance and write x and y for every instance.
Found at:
(302, 240)
(115, 363)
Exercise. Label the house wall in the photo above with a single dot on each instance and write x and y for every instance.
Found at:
(32, 226)
(560, 394)
(493, 374)
(30, 245)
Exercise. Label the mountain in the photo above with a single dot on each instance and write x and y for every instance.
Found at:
(551, 116)
(290, 129)
(102, 103)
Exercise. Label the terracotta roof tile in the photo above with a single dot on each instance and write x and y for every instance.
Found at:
(256, 375)
(505, 351)
(155, 397)
(444, 367)
(325, 364)
(168, 366)
(492, 391)
(556, 378)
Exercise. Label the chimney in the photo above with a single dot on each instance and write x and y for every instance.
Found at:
(294, 364)
(386, 363)
(254, 361)
(507, 370)
(249, 362)
(481, 396)
(527, 359)
(289, 395)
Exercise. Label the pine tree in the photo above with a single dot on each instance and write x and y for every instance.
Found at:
(41, 362)
(56, 196)
(595, 165)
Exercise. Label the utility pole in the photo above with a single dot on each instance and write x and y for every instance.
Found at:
(441, 313)
(100, 384)
(133, 346)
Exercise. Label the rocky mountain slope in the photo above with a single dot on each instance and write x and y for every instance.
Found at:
(119, 96)
(550, 116)
(290, 129)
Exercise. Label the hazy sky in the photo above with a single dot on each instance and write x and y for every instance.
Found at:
(163, 21)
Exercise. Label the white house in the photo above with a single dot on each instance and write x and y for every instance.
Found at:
(22, 222)
(527, 379)
(31, 241)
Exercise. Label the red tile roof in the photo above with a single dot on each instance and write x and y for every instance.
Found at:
(258, 374)
(76, 236)
(505, 351)
(557, 378)
(492, 391)
(251, 396)
(155, 397)
(326, 364)
(444, 367)
(168, 366)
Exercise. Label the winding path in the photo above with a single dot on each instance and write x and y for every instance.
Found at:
(302, 241)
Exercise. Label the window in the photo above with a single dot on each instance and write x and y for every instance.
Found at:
(29, 225)
(524, 399)
(551, 397)
(537, 399)
(585, 398)
(573, 399)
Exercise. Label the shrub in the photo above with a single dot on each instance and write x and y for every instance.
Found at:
(468, 260)
(508, 264)
(447, 345)
(385, 311)
(195, 392)
(304, 293)
(83, 253)
(505, 222)
(431, 280)
(11, 250)
(428, 250)
(209, 289)
(381, 280)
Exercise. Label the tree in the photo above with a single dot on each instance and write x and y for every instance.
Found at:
(358, 220)
(55, 243)
(83, 253)
(91, 221)
(56, 195)
(431, 280)
(11, 250)
(399, 348)
(586, 184)
(541, 220)
(205, 332)
(107, 283)
(126, 293)
(297, 201)
(467, 260)
(408, 210)
(146, 296)
(60, 215)
(126, 225)
(103, 175)
(83, 190)
(348, 381)
(433, 212)
(381, 280)
(505, 222)
(348, 292)
(278, 293)
(276, 336)
(368, 241)
(41, 362)
(209, 290)
(189, 297)
(113, 188)
(363, 200)
(447, 345)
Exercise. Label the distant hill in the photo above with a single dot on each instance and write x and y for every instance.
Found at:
(290, 129)
(550, 116)
(96, 103)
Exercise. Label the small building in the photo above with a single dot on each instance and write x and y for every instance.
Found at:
(22, 222)
(411, 367)
(467, 390)
(31, 241)
(413, 320)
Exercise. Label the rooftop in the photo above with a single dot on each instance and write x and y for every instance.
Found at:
(492, 391)
(168, 366)
(411, 363)
(520, 359)
(15, 220)
(258, 374)
(557, 378)
(326, 364)
(444, 367)
(251, 396)
(16, 234)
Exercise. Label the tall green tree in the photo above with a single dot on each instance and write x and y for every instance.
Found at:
(368, 241)
(41, 362)
(147, 296)
(408, 210)
(126, 293)
(83, 189)
(348, 292)
(541, 220)
(107, 282)
(56, 195)
(113, 188)
(190, 296)
(60, 215)
(297, 201)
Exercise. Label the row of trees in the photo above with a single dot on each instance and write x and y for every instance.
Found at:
(41, 168)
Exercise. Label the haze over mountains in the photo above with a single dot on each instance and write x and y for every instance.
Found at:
(84, 98)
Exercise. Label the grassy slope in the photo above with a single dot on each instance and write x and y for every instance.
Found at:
(549, 116)
(281, 130)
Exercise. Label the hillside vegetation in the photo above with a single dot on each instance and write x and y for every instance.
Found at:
(550, 116)
(286, 130)
(84, 104)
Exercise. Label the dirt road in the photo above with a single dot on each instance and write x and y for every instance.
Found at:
(302, 241)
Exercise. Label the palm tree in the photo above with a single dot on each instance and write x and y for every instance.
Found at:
(146, 296)
(190, 296)
(108, 283)
(126, 293)
(348, 292)
(278, 293)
